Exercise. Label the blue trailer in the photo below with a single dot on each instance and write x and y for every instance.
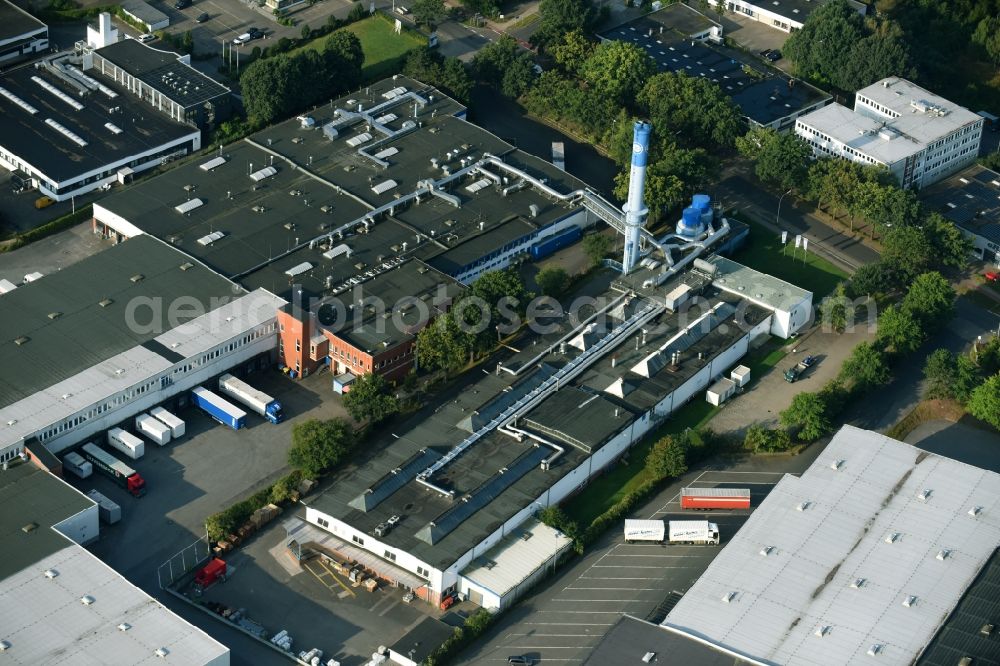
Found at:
(555, 243)
(218, 408)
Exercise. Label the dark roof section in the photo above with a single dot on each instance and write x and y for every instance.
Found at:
(15, 22)
(163, 71)
(685, 20)
(631, 639)
(57, 156)
(63, 311)
(970, 199)
(31, 502)
(418, 643)
(764, 97)
(973, 628)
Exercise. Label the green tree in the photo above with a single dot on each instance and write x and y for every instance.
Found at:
(931, 299)
(837, 309)
(428, 12)
(345, 57)
(988, 356)
(669, 180)
(780, 159)
(596, 246)
(825, 41)
(553, 281)
(692, 109)
(940, 374)
(899, 330)
(967, 377)
(807, 413)
(984, 402)
(618, 69)
(492, 62)
(987, 35)
(907, 252)
(866, 367)
(518, 77)
(559, 17)
(441, 345)
(666, 458)
(572, 51)
(368, 399)
(449, 74)
(319, 445)
(306, 32)
(881, 54)
(763, 440)
(950, 247)
(873, 278)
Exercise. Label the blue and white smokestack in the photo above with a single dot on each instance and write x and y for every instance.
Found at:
(635, 209)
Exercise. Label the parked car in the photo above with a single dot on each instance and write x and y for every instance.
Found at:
(992, 276)
(202, 17)
(773, 56)
(44, 202)
(182, 4)
(146, 37)
(249, 35)
(521, 660)
(765, 52)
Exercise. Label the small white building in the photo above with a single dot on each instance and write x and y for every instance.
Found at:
(784, 15)
(918, 136)
(791, 305)
(720, 391)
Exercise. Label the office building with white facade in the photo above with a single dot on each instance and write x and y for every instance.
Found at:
(784, 15)
(897, 125)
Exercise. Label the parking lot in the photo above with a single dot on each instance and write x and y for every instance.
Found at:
(566, 618)
(51, 254)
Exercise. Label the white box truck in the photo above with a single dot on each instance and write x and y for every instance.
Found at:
(175, 424)
(109, 512)
(127, 443)
(258, 401)
(155, 429)
(75, 463)
(694, 532)
(644, 531)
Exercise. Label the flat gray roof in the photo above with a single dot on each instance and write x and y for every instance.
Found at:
(631, 639)
(30, 138)
(15, 22)
(970, 199)
(29, 496)
(873, 545)
(144, 11)
(63, 328)
(163, 71)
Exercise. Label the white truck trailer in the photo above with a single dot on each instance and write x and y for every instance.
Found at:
(258, 401)
(75, 463)
(127, 443)
(109, 512)
(644, 531)
(175, 424)
(155, 429)
(694, 532)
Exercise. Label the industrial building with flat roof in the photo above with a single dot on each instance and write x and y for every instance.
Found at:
(766, 99)
(971, 199)
(21, 34)
(784, 15)
(59, 603)
(917, 135)
(104, 339)
(862, 557)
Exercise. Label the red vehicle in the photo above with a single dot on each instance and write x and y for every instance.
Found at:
(122, 474)
(715, 498)
(214, 571)
(448, 601)
(992, 276)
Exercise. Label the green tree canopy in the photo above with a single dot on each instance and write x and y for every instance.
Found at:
(618, 69)
(368, 399)
(666, 458)
(780, 159)
(553, 281)
(949, 246)
(899, 330)
(449, 74)
(319, 445)
(559, 17)
(596, 247)
(428, 12)
(571, 51)
(967, 377)
(874, 278)
(764, 440)
(931, 299)
(442, 346)
(984, 402)
(671, 179)
(940, 374)
(987, 35)
(691, 110)
(807, 413)
(866, 367)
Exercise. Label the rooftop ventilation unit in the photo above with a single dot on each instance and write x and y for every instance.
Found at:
(975, 511)
(162, 652)
(189, 205)
(186, 266)
(105, 302)
(986, 630)
(648, 657)
(766, 550)
(29, 528)
(124, 626)
(54, 315)
(943, 554)
(893, 537)
(4, 646)
(837, 464)
(924, 495)
(728, 597)
(858, 583)
(875, 650)
(802, 506)
(910, 601)
(87, 600)
(51, 573)
(138, 277)
(24, 339)
(823, 630)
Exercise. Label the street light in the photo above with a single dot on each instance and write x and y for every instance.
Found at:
(777, 217)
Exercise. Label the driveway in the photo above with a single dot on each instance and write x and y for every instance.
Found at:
(51, 254)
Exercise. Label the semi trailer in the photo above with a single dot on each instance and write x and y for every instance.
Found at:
(175, 424)
(258, 401)
(109, 512)
(704, 499)
(218, 408)
(644, 531)
(75, 463)
(153, 428)
(126, 443)
(120, 473)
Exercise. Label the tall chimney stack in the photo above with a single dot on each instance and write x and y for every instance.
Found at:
(635, 209)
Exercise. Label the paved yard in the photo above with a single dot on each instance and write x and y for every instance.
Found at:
(753, 36)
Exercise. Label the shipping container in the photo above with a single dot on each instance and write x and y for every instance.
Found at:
(694, 532)
(715, 498)
(75, 463)
(155, 429)
(553, 244)
(126, 443)
(258, 401)
(218, 408)
(644, 531)
(175, 424)
(122, 474)
(108, 510)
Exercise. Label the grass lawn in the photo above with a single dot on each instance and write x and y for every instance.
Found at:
(762, 252)
(608, 489)
(384, 50)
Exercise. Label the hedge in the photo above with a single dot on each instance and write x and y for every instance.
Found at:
(229, 520)
(474, 627)
(49, 228)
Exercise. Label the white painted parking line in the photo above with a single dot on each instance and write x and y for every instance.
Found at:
(570, 624)
(628, 578)
(618, 589)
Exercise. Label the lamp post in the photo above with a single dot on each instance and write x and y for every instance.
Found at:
(777, 217)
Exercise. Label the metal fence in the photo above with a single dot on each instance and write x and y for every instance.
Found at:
(182, 562)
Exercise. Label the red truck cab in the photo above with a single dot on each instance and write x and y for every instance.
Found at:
(211, 572)
(136, 485)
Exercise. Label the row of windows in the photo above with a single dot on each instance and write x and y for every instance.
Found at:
(162, 382)
(884, 110)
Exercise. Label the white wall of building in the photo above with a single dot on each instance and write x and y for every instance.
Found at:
(759, 11)
(83, 527)
(115, 222)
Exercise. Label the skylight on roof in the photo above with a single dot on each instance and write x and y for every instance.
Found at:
(189, 206)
